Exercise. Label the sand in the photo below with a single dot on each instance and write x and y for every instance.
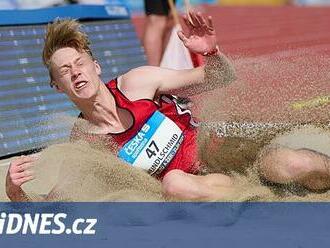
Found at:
(80, 172)
(83, 172)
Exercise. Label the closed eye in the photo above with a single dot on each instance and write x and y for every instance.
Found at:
(64, 71)
(80, 62)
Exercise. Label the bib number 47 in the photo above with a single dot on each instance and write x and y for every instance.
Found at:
(152, 149)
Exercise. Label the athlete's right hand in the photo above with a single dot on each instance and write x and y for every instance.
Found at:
(19, 172)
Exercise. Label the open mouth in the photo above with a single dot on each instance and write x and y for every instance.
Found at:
(80, 84)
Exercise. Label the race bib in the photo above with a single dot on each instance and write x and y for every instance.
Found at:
(154, 146)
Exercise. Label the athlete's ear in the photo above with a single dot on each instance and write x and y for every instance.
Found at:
(57, 87)
(98, 68)
(53, 83)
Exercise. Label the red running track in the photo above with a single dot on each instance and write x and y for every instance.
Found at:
(282, 55)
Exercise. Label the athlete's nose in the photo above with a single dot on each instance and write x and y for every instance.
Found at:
(75, 72)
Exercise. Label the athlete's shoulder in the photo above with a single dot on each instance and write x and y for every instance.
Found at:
(141, 73)
(141, 80)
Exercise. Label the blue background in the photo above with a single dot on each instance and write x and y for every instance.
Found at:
(184, 225)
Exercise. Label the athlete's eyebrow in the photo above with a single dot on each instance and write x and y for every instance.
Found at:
(77, 59)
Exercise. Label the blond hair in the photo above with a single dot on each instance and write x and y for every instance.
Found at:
(64, 33)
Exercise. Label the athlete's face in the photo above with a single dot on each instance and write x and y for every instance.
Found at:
(75, 73)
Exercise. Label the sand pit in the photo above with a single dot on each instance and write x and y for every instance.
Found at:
(79, 172)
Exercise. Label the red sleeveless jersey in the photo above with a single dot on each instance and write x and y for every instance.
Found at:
(186, 158)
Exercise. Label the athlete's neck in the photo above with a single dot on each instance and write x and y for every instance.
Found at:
(103, 114)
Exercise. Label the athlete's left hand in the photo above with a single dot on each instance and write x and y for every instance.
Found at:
(200, 36)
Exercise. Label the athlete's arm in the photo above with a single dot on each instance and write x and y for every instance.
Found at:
(200, 38)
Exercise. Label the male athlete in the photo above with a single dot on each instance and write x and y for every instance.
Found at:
(136, 110)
